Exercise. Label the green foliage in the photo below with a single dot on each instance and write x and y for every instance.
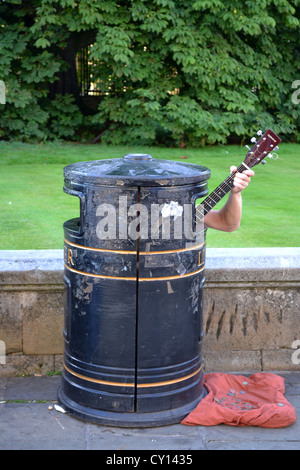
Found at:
(65, 117)
(169, 72)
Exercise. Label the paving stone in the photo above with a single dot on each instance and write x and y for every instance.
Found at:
(174, 437)
(31, 426)
(32, 388)
(27, 424)
(2, 388)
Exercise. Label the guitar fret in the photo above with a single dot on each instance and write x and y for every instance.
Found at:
(213, 200)
(219, 192)
(206, 202)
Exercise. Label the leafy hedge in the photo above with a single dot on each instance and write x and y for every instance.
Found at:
(170, 72)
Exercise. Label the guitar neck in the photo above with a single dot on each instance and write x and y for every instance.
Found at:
(219, 192)
(267, 142)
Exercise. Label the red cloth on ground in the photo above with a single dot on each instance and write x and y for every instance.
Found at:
(236, 400)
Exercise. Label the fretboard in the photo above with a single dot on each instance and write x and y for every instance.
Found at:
(216, 196)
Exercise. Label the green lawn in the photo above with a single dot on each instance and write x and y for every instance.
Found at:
(34, 207)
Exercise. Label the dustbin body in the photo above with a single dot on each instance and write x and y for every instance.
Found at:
(134, 276)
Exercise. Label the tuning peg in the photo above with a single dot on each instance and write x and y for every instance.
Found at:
(263, 162)
(259, 133)
(247, 147)
(270, 155)
(253, 140)
(276, 148)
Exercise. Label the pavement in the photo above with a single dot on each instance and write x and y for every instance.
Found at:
(27, 422)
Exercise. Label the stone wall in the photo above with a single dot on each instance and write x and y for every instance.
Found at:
(252, 306)
(250, 311)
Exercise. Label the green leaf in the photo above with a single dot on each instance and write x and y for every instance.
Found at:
(42, 42)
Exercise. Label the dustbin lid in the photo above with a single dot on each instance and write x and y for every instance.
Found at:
(136, 170)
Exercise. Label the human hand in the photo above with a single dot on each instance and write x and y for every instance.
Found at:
(241, 180)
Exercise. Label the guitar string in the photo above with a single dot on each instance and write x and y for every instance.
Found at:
(225, 185)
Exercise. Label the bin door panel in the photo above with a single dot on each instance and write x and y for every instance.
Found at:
(100, 312)
(99, 357)
(170, 281)
(169, 352)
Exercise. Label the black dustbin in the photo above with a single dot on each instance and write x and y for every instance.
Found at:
(134, 275)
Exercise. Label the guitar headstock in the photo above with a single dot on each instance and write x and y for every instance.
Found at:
(267, 143)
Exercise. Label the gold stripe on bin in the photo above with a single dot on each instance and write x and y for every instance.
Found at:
(120, 252)
(169, 382)
(98, 381)
(144, 253)
(180, 250)
(102, 276)
(130, 384)
(169, 278)
(142, 279)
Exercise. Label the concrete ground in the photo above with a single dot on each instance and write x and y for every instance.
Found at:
(27, 423)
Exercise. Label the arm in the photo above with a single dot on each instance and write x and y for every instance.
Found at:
(228, 218)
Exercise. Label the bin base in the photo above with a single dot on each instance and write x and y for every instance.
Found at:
(127, 420)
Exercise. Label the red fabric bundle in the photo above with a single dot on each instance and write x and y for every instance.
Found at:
(236, 400)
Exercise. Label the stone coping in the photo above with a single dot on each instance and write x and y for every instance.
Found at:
(253, 264)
